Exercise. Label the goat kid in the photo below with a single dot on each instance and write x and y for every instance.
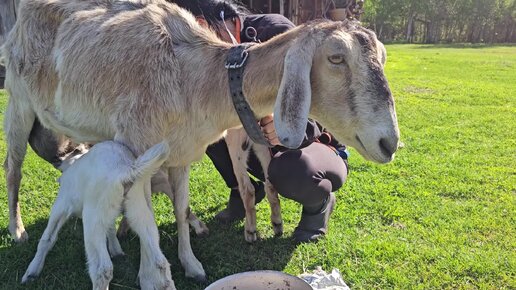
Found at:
(98, 196)
(239, 145)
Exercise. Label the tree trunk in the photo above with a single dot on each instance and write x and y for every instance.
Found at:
(410, 27)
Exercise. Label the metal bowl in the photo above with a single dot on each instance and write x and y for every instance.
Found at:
(260, 280)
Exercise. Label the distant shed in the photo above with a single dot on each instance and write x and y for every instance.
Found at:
(298, 11)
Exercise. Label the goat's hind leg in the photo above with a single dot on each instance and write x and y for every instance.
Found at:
(236, 139)
(154, 268)
(200, 228)
(100, 267)
(58, 216)
(178, 177)
(18, 122)
(113, 244)
(123, 228)
(264, 156)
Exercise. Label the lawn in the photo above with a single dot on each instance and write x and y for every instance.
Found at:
(442, 215)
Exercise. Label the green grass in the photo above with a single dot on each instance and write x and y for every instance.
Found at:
(442, 215)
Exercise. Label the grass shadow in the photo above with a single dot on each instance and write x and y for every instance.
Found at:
(223, 252)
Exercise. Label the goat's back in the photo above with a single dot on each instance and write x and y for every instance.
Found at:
(96, 177)
(114, 67)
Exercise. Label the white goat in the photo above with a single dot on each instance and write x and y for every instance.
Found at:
(144, 71)
(98, 196)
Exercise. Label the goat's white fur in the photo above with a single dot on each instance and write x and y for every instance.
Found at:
(144, 71)
(98, 196)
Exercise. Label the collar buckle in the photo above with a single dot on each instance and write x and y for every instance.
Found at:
(237, 64)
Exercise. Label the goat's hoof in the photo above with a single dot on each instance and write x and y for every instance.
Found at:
(251, 236)
(202, 230)
(201, 279)
(29, 277)
(193, 268)
(278, 229)
(169, 285)
(114, 248)
(117, 254)
(20, 235)
(203, 233)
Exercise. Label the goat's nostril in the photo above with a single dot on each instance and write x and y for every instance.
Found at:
(387, 148)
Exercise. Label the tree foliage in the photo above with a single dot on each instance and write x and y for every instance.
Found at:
(432, 21)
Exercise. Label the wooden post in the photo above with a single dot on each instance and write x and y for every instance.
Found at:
(295, 12)
(282, 7)
(290, 9)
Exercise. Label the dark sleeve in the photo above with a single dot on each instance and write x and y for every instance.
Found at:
(266, 25)
(327, 138)
(312, 132)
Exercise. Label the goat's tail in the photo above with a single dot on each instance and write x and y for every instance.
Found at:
(149, 162)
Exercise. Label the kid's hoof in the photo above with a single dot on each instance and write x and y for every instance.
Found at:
(278, 229)
(251, 236)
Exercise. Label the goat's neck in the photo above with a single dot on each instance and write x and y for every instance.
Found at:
(262, 78)
(264, 72)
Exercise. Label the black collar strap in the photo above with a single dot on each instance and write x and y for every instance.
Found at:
(235, 63)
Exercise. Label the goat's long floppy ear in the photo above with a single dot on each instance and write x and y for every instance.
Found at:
(295, 93)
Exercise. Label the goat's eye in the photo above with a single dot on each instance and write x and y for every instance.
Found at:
(336, 58)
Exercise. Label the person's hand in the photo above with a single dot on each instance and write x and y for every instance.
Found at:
(267, 126)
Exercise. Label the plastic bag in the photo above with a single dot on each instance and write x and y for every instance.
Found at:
(321, 280)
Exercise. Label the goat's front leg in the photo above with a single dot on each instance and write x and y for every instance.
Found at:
(248, 197)
(274, 202)
(160, 183)
(154, 268)
(178, 177)
(264, 156)
(18, 122)
(239, 153)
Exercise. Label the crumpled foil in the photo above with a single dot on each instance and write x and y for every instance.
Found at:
(321, 280)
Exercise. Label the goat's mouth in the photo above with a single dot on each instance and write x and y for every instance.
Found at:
(380, 152)
(360, 142)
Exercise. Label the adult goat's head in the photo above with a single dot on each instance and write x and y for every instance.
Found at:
(334, 71)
